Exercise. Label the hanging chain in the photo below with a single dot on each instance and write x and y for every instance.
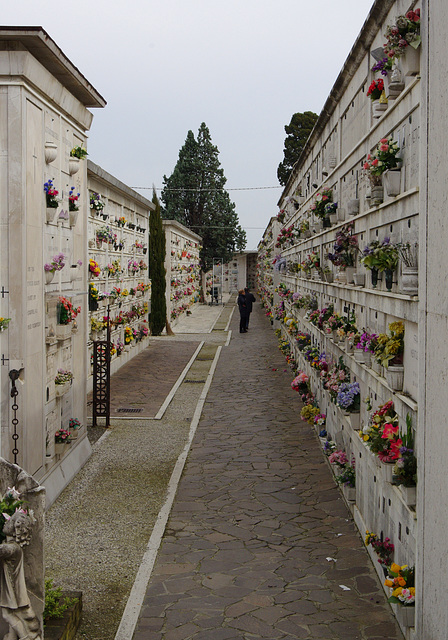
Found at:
(14, 375)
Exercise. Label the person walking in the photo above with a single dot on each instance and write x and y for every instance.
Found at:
(244, 313)
(250, 299)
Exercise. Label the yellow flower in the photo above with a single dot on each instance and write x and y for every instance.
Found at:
(389, 583)
(395, 568)
(397, 592)
(412, 590)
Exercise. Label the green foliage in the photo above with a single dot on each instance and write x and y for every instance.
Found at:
(55, 604)
(194, 195)
(157, 250)
(297, 133)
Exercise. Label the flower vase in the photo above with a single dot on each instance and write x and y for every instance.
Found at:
(377, 193)
(350, 273)
(375, 366)
(374, 274)
(392, 182)
(60, 448)
(389, 278)
(359, 279)
(326, 222)
(406, 614)
(73, 165)
(63, 331)
(409, 495)
(333, 218)
(353, 207)
(349, 493)
(341, 214)
(348, 346)
(50, 212)
(355, 420)
(395, 377)
(62, 389)
(49, 275)
(410, 61)
(378, 108)
(409, 280)
(328, 277)
(51, 152)
(72, 217)
(387, 471)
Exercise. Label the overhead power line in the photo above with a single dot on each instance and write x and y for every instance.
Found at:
(221, 189)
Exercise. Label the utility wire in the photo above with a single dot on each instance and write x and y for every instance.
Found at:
(221, 189)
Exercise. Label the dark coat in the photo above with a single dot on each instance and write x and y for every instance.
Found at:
(250, 298)
(242, 305)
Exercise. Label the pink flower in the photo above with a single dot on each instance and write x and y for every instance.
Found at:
(384, 147)
(389, 431)
(374, 162)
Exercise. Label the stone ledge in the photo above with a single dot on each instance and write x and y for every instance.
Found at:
(65, 628)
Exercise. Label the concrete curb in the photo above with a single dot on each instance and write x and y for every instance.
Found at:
(132, 610)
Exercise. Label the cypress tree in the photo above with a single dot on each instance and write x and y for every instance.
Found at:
(157, 272)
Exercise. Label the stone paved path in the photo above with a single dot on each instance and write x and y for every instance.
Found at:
(256, 517)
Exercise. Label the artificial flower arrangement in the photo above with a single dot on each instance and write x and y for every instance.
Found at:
(303, 340)
(281, 216)
(338, 458)
(375, 89)
(56, 264)
(380, 255)
(286, 235)
(51, 195)
(384, 157)
(105, 234)
(320, 422)
(4, 322)
(142, 265)
(133, 266)
(405, 32)
(401, 582)
(121, 221)
(390, 346)
(405, 468)
(383, 548)
(78, 152)
(120, 346)
(128, 335)
(348, 397)
(66, 312)
(62, 436)
(381, 434)
(74, 424)
(96, 202)
(347, 475)
(319, 204)
(63, 376)
(366, 342)
(345, 248)
(94, 268)
(73, 199)
(97, 325)
(300, 382)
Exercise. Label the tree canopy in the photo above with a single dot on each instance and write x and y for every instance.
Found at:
(194, 195)
(157, 250)
(297, 133)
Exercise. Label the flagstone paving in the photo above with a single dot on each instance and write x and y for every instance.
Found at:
(260, 543)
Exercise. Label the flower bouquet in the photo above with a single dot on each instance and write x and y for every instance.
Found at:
(375, 89)
(383, 548)
(66, 312)
(96, 202)
(72, 200)
(62, 436)
(57, 263)
(390, 346)
(348, 397)
(4, 322)
(51, 195)
(322, 199)
(78, 152)
(384, 157)
(94, 268)
(401, 582)
(63, 376)
(405, 32)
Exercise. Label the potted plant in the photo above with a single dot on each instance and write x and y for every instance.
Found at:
(63, 381)
(51, 200)
(66, 314)
(389, 353)
(345, 250)
(347, 479)
(348, 399)
(57, 264)
(405, 469)
(76, 154)
(62, 438)
(96, 204)
(401, 582)
(378, 97)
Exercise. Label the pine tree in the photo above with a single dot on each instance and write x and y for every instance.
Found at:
(157, 250)
(298, 131)
(194, 195)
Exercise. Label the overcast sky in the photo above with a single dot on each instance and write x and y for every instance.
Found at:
(164, 66)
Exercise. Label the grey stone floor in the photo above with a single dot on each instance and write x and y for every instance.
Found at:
(256, 517)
